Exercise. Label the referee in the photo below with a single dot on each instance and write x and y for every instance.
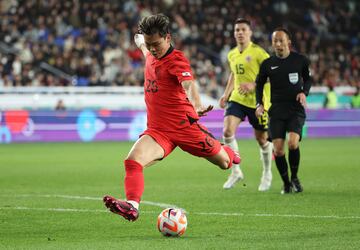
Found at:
(290, 82)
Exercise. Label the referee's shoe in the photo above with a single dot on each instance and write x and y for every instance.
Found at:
(296, 185)
(287, 189)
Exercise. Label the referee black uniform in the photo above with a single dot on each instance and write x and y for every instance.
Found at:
(288, 77)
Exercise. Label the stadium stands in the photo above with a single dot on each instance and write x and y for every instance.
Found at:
(89, 43)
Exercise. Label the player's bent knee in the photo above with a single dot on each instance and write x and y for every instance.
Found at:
(224, 165)
(279, 152)
(261, 141)
(137, 158)
(292, 145)
(223, 162)
(219, 161)
(229, 131)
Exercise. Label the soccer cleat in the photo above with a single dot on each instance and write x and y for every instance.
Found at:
(266, 179)
(233, 178)
(122, 208)
(287, 189)
(296, 185)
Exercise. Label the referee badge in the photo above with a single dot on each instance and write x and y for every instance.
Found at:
(294, 78)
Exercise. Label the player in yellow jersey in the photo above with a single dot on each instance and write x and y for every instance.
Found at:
(240, 101)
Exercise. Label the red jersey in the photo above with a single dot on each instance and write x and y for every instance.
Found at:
(167, 105)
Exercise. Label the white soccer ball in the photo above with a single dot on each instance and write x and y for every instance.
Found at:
(172, 222)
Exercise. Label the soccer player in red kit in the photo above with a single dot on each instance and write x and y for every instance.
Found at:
(173, 108)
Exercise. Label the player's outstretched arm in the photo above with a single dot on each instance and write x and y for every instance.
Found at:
(228, 89)
(194, 97)
(204, 110)
(140, 43)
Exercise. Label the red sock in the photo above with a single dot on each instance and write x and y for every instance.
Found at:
(230, 153)
(134, 180)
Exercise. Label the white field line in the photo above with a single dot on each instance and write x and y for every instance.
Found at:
(151, 203)
(162, 205)
(75, 210)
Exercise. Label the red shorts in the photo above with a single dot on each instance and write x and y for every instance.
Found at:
(196, 140)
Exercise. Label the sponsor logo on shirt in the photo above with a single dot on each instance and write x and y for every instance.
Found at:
(186, 74)
(274, 67)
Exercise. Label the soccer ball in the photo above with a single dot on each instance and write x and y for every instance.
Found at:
(172, 222)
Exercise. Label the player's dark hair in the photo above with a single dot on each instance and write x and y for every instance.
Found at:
(243, 20)
(154, 24)
(285, 30)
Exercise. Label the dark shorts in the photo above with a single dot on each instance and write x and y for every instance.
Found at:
(241, 111)
(286, 118)
(196, 140)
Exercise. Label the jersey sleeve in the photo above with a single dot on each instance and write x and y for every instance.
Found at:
(306, 75)
(262, 55)
(228, 57)
(260, 82)
(180, 68)
(266, 92)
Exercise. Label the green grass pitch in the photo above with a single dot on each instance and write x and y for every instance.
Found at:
(50, 198)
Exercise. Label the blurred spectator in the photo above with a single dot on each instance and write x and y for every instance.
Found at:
(60, 105)
(331, 99)
(355, 99)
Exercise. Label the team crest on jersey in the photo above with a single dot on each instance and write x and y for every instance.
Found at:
(294, 78)
(186, 74)
(248, 58)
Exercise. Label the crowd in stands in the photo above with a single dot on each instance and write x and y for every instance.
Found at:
(90, 43)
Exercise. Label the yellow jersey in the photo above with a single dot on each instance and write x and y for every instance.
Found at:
(245, 67)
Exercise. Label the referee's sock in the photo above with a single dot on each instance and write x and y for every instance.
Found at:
(294, 159)
(282, 166)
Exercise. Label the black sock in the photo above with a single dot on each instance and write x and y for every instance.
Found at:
(294, 159)
(282, 166)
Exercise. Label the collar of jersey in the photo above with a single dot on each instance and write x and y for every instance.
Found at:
(281, 59)
(167, 52)
(250, 43)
